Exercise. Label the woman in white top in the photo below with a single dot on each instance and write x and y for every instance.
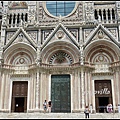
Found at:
(45, 106)
(118, 108)
(90, 108)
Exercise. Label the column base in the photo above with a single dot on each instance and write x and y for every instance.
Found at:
(75, 111)
(4, 111)
(35, 111)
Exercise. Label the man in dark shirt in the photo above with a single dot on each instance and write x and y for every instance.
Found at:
(49, 106)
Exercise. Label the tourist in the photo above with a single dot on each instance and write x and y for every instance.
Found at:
(90, 108)
(109, 108)
(49, 106)
(87, 111)
(118, 108)
(45, 106)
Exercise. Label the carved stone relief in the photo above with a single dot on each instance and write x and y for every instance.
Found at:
(74, 32)
(114, 32)
(16, 11)
(118, 10)
(32, 13)
(101, 63)
(18, 4)
(60, 57)
(8, 36)
(33, 35)
(89, 11)
(45, 34)
(100, 34)
(21, 38)
(87, 33)
(80, 11)
(60, 34)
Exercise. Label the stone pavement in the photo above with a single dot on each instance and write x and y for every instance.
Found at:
(58, 116)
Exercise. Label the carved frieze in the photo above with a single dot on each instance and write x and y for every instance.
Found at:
(32, 13)
(16, 11)
(118, 9)
(18, 4)
(89, 11)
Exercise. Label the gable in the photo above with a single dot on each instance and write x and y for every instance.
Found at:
(60, 33)
(100, 33)
(19, 36)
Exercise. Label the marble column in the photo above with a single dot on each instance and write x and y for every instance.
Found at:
(113, 92)
(37, 90)
(119, 32)
(86, 89)
(2, 91)
(79, 98)
(93, 95)
(82, 89)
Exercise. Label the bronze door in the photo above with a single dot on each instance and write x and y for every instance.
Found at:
(103, 94)
(60, 93)
(19, 96)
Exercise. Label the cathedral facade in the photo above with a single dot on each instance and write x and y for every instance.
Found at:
(64, 51)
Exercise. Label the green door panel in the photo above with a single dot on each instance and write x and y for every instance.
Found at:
(60, 93)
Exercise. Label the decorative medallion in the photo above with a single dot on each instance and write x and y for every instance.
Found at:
(21, 60)
(100, 34)
(60, 57)
(101, 58)
(60, 34)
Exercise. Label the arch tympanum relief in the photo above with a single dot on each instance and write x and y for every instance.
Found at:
(101, 56)
(19, 54)
(61, 57)
(60, 52)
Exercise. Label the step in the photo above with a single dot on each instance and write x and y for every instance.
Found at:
(58, 115)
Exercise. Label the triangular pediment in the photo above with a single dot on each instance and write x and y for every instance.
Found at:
(20, 36)
(100, 33)
(60, 33)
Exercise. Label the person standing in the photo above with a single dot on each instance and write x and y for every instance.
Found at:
(90, 108)
(49, 106)
(109, 108)
(45, 106)
(87, 111)
(118, 108)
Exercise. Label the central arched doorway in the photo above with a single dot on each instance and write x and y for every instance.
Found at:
(60, 93)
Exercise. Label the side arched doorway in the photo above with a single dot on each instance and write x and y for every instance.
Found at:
(103, 95)
(19, 96)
